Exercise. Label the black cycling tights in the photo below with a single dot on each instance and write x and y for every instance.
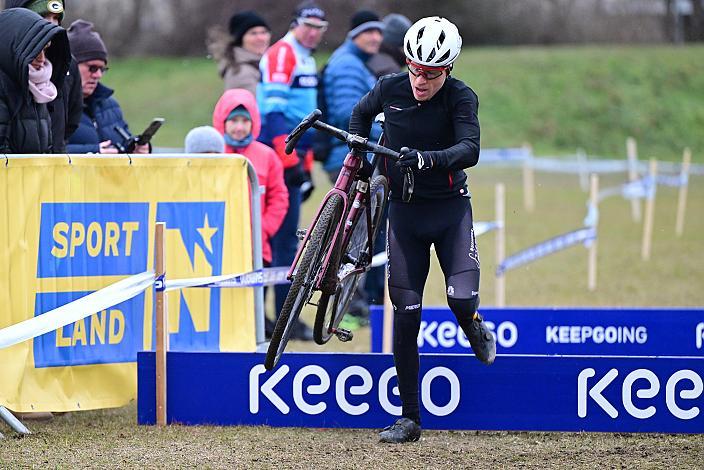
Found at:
(447, 224)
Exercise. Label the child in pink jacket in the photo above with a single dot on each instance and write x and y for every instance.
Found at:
(236, 117)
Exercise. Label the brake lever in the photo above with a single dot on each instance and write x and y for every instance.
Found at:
(408, 179)
(306, 123)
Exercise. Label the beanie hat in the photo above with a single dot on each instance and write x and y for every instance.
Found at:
(86, 44)
(204, 139)
(239, 111)
(45, 7)
(362, 21)
(242, 22)
(308, 9)
(396, 27)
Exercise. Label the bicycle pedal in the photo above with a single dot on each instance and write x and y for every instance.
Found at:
(343, 335)
(301, 233)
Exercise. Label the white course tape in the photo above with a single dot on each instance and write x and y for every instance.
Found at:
(263, 277)
(76, 310)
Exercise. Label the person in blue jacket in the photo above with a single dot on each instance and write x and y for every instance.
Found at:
(347, 79)
(97, 131)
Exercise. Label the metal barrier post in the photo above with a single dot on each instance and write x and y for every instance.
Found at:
(257, 263)
(13, 422)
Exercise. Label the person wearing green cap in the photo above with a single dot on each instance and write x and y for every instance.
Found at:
(67, 108)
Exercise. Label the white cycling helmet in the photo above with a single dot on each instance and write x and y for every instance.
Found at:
(433, 42)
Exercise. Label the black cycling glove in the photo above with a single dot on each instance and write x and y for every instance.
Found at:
(416, 160)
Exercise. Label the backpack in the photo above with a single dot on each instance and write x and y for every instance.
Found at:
(322, 141)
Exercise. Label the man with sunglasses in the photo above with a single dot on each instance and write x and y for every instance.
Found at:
(286, 94)
(435, 115)
(102, 114)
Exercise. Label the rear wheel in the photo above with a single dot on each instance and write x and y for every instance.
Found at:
(310, 264)
(357, 254)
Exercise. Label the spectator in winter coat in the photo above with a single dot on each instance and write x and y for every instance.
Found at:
(101, 112)
(236, 117)
(66, 109)
(239, 52)
(347, 79)
(391, 58)
(34, 58)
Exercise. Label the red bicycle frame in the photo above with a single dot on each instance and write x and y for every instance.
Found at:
(351, 166)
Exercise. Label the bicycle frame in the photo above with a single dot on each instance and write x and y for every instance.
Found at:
(343, 185)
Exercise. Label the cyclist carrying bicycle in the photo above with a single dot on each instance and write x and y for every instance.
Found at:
(435, 115)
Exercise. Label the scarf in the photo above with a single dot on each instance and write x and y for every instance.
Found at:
(40, 83)
(238, 143)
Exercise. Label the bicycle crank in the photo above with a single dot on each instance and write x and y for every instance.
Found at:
(343, 335)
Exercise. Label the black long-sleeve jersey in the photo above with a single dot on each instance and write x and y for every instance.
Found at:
(446, 128)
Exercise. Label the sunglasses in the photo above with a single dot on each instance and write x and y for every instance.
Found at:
(429, 73)
(318, 24)
(96, 68)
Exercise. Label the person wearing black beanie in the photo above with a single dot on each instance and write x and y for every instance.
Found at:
(391, 58)
(239, 52)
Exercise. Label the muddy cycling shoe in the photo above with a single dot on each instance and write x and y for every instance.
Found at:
(482, 341)
(403, 430)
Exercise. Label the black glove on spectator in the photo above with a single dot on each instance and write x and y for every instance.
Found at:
(415, 160)
(307, 187)
(295, 176)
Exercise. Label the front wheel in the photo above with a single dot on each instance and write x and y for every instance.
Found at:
(310, 264)
(356, 254)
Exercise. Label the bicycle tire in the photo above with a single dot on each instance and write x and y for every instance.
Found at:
(303, 279)
(331, 307)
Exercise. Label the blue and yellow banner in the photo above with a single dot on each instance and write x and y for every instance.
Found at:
(71, 227)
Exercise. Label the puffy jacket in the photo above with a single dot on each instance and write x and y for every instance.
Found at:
(101, 113)
(25, 125)
(346, 81)
(66, 109)
(267, 164)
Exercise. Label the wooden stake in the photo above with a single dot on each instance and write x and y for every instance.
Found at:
(593, 201)
(528, 180)
(632, 152)
(682, 199)
(583, 170)
(500, 243)
(649, 214)
(161, 325)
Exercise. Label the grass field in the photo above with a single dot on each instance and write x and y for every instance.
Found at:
(558, 98)
(555, 98)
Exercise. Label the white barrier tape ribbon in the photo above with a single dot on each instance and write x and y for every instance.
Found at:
(504, 155)
(639, 189)
(480, 228)
(592, 217)
(545, 248)
(575, 164)
(674, 181)
(263, 277)
(76, 310)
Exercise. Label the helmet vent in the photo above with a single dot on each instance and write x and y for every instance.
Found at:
(431, 55)
(420, 33)
(445, 56)
(441, 39)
